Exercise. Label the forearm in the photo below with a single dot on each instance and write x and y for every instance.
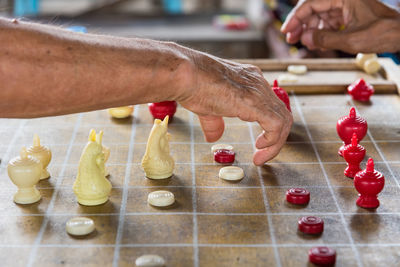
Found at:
(49, 71)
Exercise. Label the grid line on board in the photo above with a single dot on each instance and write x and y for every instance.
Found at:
(194, 197)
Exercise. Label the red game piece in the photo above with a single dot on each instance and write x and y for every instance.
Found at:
(322, 256)
(311, 225)
(347, 125)
(353, 154)
(360, 90)
(224, 156)
(282, 95)
(161, 109)
(369, 183)
(298, 196)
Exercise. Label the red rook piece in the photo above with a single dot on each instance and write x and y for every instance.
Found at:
(347, 125)
(369, 183)
(298, 196)
(224, 156)
(311, 225)
(360, 90)
(353, 154)
(281, 94)
(322, 256)
(161, 109)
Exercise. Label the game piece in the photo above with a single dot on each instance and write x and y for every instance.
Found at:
(353, 153)
(297, 69)
(121, 112)
(368, 62)
(150, 261)
(79, 226)
(298, 196)
(369, 183)
(362, 57)
(281, 94)
(287, 78)
(157, 162)
(347, 125)
(42, 153)
(25, 171)
(311, 225)
(231, 173)
(91, 186)
(161, 198)
(221, 146)
(322, 256)
(161, 109)
(360, 90)
(106, 152)
(224, 156)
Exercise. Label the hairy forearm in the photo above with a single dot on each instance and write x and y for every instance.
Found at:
(46, 71)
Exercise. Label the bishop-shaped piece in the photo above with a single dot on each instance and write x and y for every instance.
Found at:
(42, 153)
(369, 183)
(353, 154)
(281, 94)
(360, 90)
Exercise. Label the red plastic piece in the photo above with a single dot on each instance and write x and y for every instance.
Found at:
(360, 90)
(298, 196)
(161, 109)
(224, 156)
(311, 225)
(369, 183)
(347, 125)
(282, 95)
(353, 154)
(322, 256)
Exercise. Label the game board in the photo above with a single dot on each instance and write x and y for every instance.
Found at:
(213, 222)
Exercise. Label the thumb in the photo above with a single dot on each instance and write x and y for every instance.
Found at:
(213, 127)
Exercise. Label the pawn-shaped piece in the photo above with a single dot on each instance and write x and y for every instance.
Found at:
(353, 154)
(106, 152)
(25, 172)
(157, 162)
(347, 125)
(281, 94)
(360, 90)
(42, 153)
(369, 183)
(91, 187)
(162, 109)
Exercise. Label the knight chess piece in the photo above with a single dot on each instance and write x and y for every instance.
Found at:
(106, 152)
(42, 153)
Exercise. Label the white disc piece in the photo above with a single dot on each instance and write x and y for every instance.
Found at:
(150, 261)
(221, 146)
(120, 112)
(372, 66)
(231, 173)
(297, 69)
(287, 78)
(80, 226)
(161, 198)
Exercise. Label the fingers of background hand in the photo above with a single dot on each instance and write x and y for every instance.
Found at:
(294, 37)
(212, 126)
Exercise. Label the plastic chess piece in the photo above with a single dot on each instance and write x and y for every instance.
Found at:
(322, 256)
(353, 154)
(121, 112)
(106, 152)
(224, 156)
(369, 183)
(281, 94)
(25, 171)
(347, 125)
(42, 153)
(162, 109)
(360, 90)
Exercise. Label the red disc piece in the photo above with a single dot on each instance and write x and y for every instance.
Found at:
(224, 156)
(281, 94)
(322, 256)
(311, 225)
(161, 109)
(298, 196)
(360, 90)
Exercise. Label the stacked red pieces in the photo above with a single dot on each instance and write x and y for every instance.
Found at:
(281, 94)
(161, 109)
(360, 90)
(353, 154)
(311, 225)
(298, 196)
(224, 156)
(322, 256)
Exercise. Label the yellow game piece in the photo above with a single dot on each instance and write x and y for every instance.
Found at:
(25, 171)
(161, 198)
(287, 78)
(231, 173)
(150, 261)
(91, 187)
(42, 153)
(297, 69)
(372, 66)
(157, 162)
(80, 226)
(106, 152)
(121, 112)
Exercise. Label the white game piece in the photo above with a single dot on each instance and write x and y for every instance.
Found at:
(231, 173)
(372, 66)
(42, 153)
(121, 112)
(287, 78)
(297, 69)
(79, 226)
(161, 198)
(150, 261)
(157, 162)
(221, 146)
(361, 58)
(25, 171)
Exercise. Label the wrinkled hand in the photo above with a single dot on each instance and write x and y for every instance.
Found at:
(224, 88)
(352, 26)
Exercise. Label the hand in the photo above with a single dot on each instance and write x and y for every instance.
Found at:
(224, 88)
(352, 26)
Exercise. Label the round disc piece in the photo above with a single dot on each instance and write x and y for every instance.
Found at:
(161, 198)
(231, 173)
(80, 226)
(221, 146)
(224, 156)
(150, 261)
(322, 256)
(298, 196)
(311, 225)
